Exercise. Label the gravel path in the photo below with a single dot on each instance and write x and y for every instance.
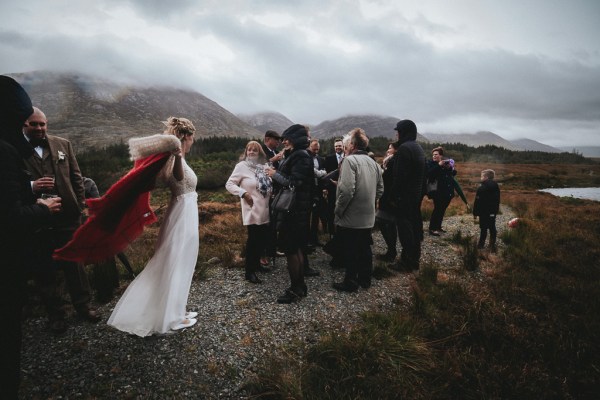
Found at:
(238, 324)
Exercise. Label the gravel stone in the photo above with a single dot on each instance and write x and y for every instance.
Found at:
(238, 325)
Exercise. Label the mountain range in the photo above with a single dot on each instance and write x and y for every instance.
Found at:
(93, 112)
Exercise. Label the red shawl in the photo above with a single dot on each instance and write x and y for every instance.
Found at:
(117, 218)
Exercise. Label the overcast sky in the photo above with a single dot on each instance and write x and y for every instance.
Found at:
(518, 68)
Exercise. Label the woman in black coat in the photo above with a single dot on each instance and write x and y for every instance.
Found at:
(443, 172)
(293, 227)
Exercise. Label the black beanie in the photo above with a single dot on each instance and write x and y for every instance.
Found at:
(15, 108)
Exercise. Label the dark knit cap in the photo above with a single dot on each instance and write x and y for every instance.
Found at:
(15, 108)
(407, 130)
(298, 135)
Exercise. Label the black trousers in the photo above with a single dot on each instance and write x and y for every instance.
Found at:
(45, 273)
(255, 246)
(389, 232)
(440, 204)
(487, 222)
(410, 232)
(357, 255)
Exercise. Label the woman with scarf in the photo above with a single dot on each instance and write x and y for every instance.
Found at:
(295, 171)
(250, 182)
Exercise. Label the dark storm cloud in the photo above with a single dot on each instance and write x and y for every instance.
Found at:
(318, 60)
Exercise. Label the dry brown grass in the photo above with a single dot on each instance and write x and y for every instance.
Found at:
(222, 234)
(533, 176)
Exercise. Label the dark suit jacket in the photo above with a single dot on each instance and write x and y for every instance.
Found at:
(60, 157)
(331, 163)
(270, 154)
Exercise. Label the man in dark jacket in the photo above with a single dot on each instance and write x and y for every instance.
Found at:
(20, 215)
(271, 141)
(332, 163)
(409, 178)
(487, 204)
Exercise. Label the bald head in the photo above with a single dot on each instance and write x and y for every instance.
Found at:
(36, 125)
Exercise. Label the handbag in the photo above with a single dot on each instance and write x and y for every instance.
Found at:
(285, 199)
(431, 187)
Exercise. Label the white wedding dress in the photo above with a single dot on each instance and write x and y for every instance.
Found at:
(156, 300)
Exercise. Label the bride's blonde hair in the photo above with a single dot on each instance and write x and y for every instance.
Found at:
(179, 127)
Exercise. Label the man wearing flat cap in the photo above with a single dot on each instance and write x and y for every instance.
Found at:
(407, 192)
(272, 140)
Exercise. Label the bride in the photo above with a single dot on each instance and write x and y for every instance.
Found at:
(155, 302)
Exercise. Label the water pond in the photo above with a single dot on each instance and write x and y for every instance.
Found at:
(590, 193)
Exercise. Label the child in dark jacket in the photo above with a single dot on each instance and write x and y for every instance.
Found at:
(487, 203)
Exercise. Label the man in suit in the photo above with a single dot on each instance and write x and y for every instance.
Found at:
(54, 171)
(332, 162)
(318, 210)
(272, 140)
(20, 215)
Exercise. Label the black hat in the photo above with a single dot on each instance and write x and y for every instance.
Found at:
(406, 129)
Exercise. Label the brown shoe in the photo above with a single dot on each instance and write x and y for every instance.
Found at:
(88, 314)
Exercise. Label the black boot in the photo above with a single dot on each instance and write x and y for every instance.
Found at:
(290, 296)
(389, 256)
(346, 286)
(251, 277)
(308, 271)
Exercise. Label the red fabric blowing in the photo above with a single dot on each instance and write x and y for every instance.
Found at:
(117, 218)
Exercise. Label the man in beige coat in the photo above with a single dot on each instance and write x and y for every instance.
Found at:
(55, 172)
(359, 187)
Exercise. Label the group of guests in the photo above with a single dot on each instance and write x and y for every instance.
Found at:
(42, 210)
(347, 192)
(352, 183)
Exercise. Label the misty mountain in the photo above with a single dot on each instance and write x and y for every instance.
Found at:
(267, 121)
(533, 145)
(96, 112)
(374, 125)
(472, 139)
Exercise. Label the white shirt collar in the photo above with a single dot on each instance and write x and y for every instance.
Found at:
(38, 149)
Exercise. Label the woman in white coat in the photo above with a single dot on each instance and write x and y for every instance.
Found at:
(253, 186)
